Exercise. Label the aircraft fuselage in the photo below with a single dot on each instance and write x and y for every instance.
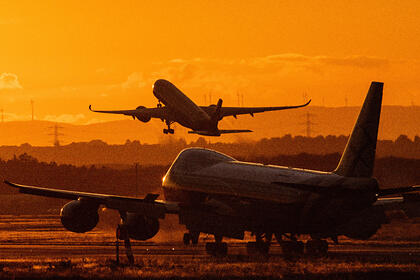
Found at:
(184, 110)
(256, 196)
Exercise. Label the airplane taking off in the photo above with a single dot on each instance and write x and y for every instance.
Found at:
(215, 194)
(203, 120)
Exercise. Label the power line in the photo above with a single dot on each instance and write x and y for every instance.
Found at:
(309, 124)
(56, 134)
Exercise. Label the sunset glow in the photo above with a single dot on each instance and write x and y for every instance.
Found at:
(67, 55)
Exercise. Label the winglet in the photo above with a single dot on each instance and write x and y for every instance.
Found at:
(90, 108)
(13, 185)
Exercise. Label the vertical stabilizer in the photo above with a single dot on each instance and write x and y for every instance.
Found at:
(359, 155)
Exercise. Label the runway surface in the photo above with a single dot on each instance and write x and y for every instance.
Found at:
(107, 249)
(43, 236)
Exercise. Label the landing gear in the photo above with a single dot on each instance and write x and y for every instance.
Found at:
(255, 248)
(122, 234)
(217, 248)
(291, 248)
(169, 129)
(191, 237)
(317, 247)
(261, 246)
(159, 105)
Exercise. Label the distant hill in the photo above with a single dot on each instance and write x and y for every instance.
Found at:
(395, 120)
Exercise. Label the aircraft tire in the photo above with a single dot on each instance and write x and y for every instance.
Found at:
(317, 248)
(257, 248)
(186, 239)
(194, 237)
(165, 131)
(292, 249)
(216, 249)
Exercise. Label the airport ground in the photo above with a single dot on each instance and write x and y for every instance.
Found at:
(39, 247)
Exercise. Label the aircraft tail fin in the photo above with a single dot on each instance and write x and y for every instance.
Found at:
(216, 115)
(359, 155)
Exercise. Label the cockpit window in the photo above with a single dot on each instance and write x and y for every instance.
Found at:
(194, 159)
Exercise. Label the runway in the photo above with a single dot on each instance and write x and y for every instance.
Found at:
(42, 236)
(107, 249)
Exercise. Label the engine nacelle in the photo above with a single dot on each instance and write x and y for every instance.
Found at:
(79, 215)
(141, 227)
(143, 118)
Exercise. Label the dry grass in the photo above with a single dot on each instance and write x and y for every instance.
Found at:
(170, 267)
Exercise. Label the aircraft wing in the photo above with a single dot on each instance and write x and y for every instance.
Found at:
(161, 113)
(234, 111)
(148, 206)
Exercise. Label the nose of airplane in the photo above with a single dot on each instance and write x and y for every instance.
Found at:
(159, 84)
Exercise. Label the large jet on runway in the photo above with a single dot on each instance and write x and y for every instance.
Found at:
(215, 194)
(203, 120)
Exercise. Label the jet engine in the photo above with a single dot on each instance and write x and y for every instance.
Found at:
(79, 215)
(141, 227)
(141, 117)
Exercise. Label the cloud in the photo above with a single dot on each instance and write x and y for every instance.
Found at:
(65, 118)
(134, 80)
(299, 59)
(9, 81)
(15, 117)
(9, 21)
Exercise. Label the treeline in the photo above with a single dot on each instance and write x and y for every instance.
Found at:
(24, 169)
(100, 153)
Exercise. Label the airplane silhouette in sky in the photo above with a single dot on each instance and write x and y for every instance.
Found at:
(203, 120)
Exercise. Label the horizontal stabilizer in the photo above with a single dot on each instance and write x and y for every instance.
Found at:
(224, 131)
(218, 132)
(401, 190)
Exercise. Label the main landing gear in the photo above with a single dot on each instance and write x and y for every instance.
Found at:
(217, 248)
(293, 248)
(262, 244)
(191, 237)
(317, 247)
(169, 130)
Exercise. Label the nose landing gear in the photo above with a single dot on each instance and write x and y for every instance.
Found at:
(122, 234)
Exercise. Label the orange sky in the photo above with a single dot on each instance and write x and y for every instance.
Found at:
(66, 55)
